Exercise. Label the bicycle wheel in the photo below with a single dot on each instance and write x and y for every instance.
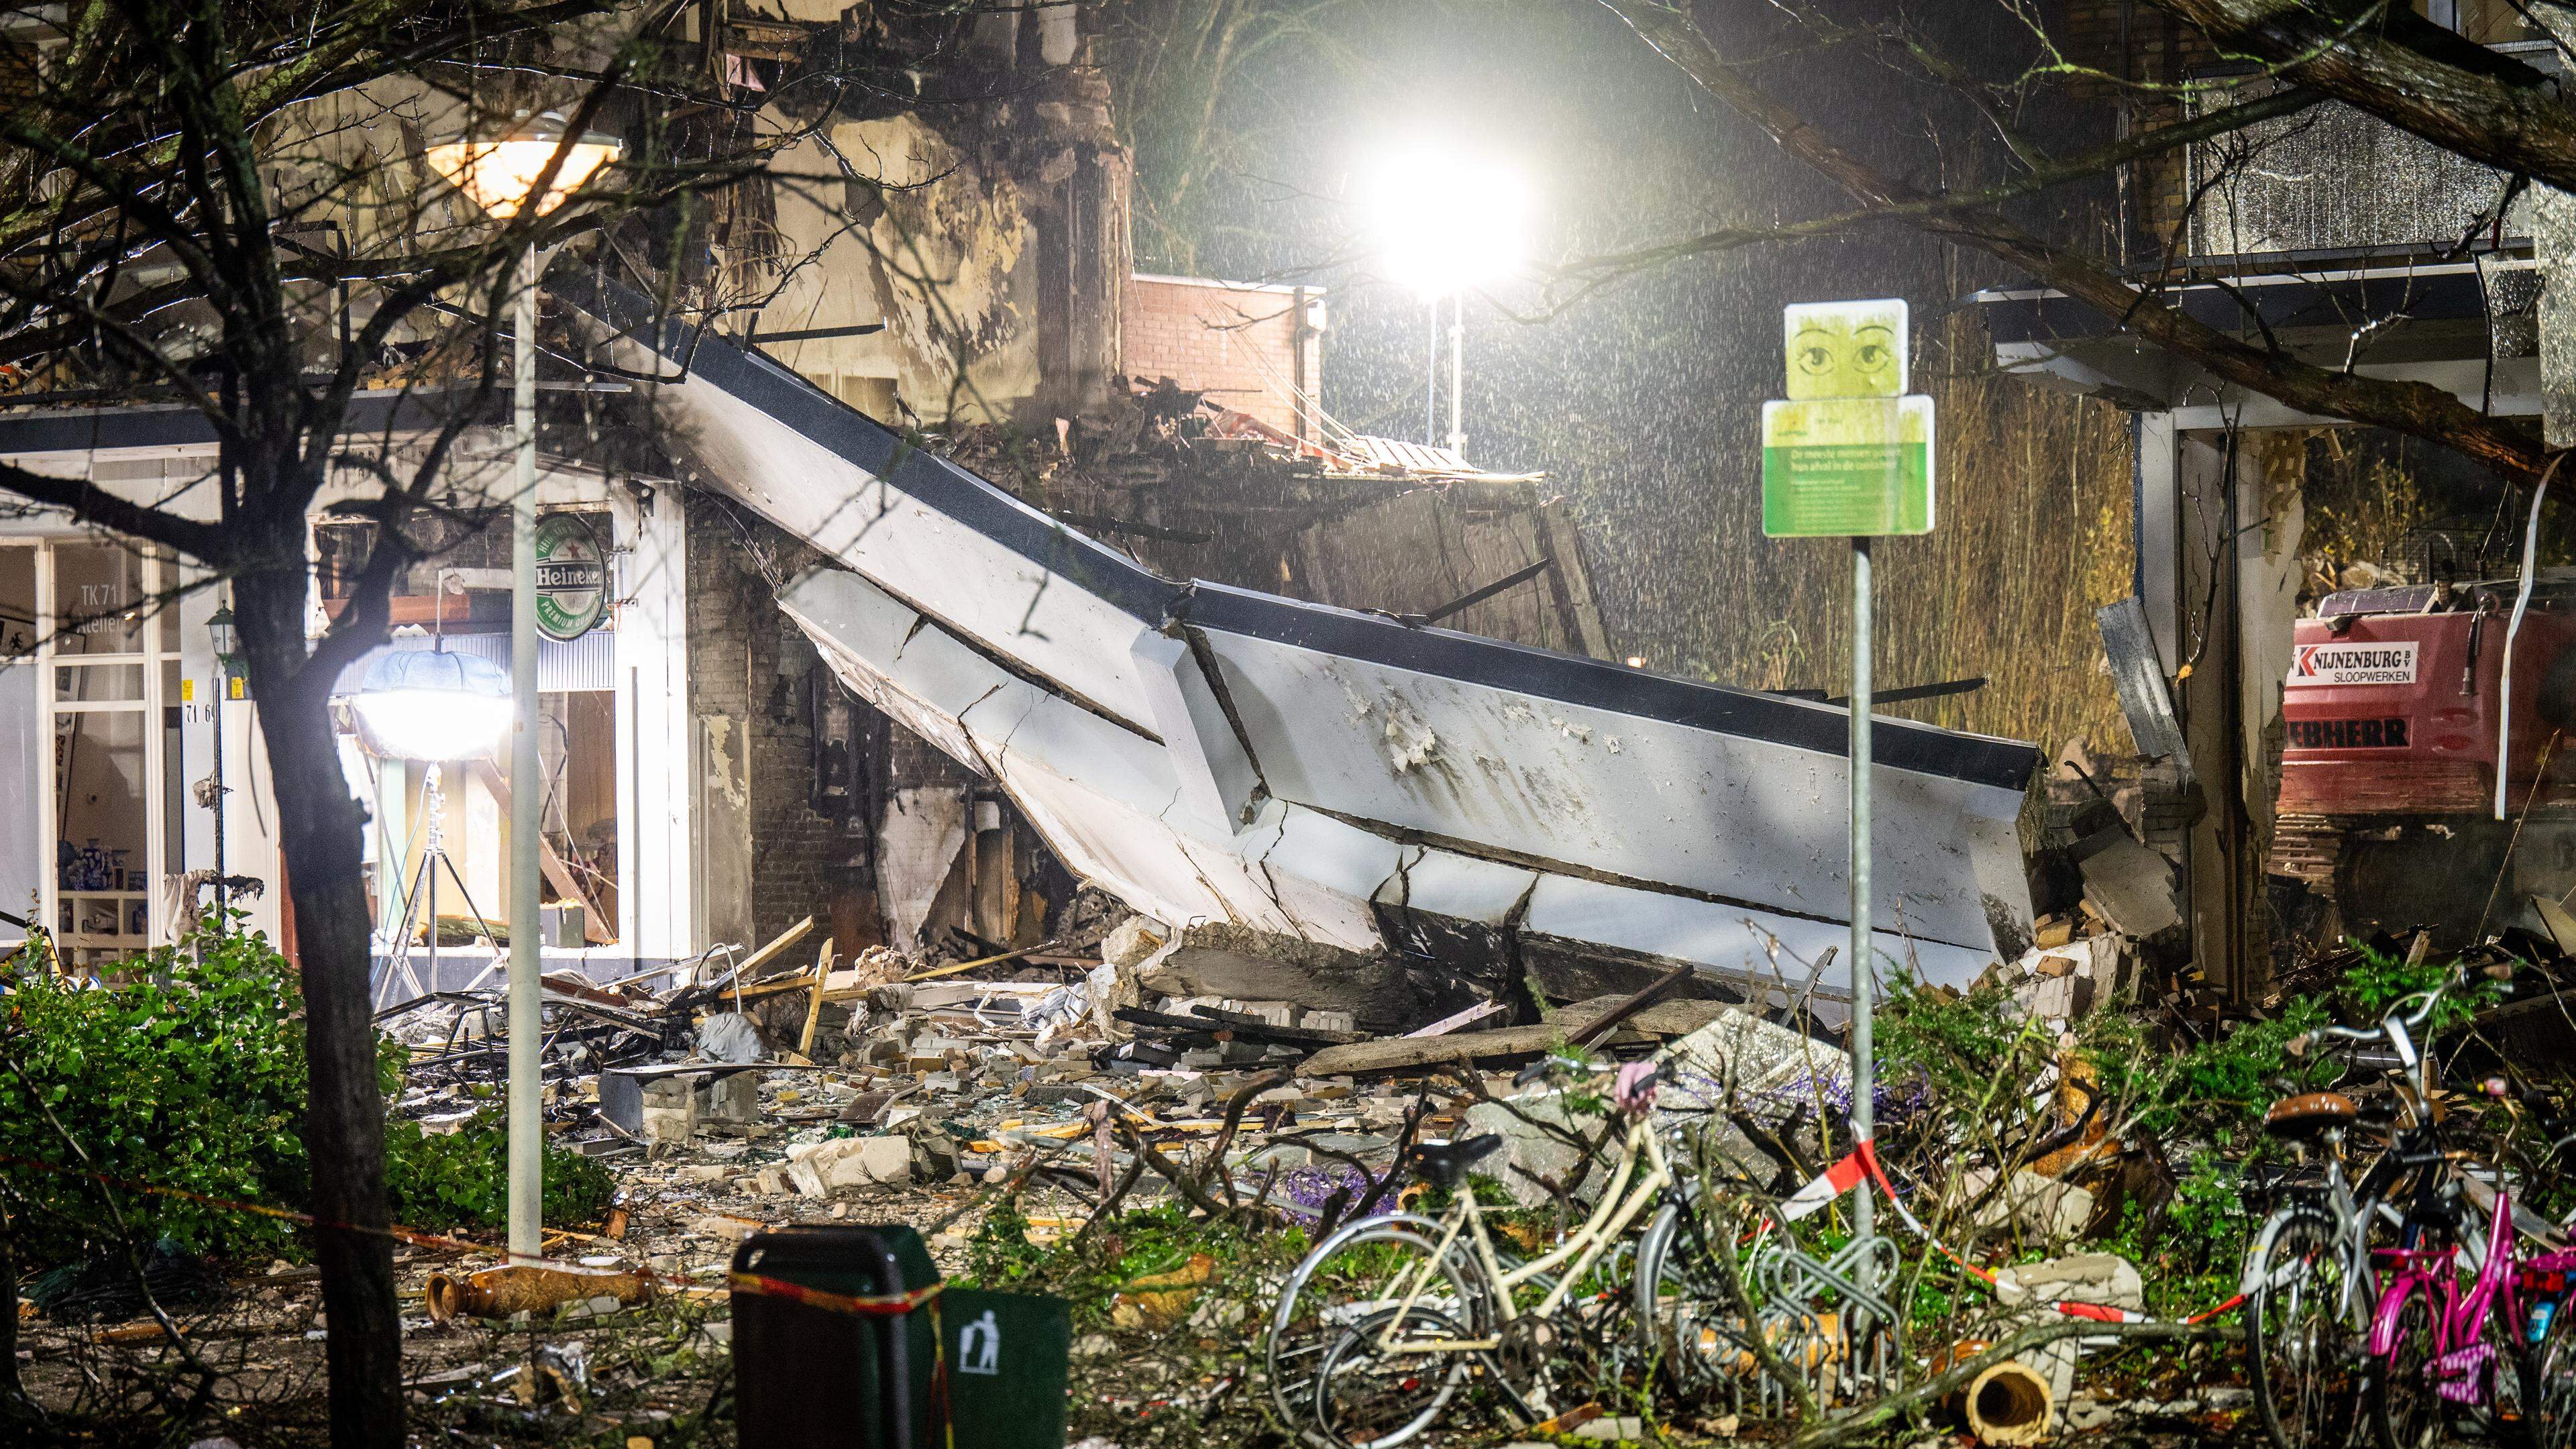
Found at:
(1374, 1390)
(2549, 1389)
(1348, 1276)
(2405, 1404)
(2301, 1338)
(1685, 1318)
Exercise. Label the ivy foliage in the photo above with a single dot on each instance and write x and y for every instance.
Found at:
(185, 1070)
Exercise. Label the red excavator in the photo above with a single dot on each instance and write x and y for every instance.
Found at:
(2396, 708)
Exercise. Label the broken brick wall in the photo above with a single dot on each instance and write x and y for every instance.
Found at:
(1248, 347)
(890, 856)
(767, 855)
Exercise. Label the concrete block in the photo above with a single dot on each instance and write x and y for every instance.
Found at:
(1769, 1069)
(2038, 1207)
(735, 1098)
(1529, 1153)
(669, 1112)
(818, 1169)
(2104, 1278)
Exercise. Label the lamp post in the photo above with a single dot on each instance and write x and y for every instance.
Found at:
(1445, 223)
(226, 639)
(500, 174)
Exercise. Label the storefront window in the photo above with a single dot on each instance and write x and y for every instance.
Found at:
(102, 856)
(99, 602)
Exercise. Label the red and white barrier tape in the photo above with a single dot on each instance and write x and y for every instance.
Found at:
(1862, 1163)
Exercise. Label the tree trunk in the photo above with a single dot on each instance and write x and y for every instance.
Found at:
(344, 1128)
(9, 1390)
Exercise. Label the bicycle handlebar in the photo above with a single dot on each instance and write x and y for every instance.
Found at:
(2395, 1029)
(1543, 1065)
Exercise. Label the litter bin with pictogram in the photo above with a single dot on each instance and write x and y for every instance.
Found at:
(1005, 1356)
(833, 1342)
(844, 1338)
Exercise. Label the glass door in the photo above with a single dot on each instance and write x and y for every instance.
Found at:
(109, 636)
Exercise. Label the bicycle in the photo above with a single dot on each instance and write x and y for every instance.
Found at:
(2309, 1284)
(2446, 1352)
(2441, 1349)
(1424, 1306)
(1819, 1318)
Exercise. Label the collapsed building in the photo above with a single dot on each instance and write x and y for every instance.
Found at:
(1339, 711)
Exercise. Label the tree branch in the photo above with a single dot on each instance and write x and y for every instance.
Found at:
(2407, 71)
(84, 501)
(2414, 408)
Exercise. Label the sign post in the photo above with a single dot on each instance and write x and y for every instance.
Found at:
(1849, 455)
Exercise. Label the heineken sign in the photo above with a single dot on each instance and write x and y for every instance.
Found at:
(572, 576)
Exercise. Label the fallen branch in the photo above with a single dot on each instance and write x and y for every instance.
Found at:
(1013, 1183)
(1234, 1107)
(1183, 1181)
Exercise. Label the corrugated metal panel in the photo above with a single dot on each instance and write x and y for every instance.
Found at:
(589, 662)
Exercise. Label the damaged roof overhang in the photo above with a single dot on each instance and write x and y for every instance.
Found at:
(1212, 754)
(2424, 319)
(40, 432)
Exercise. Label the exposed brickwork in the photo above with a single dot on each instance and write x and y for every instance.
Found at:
(797, 855)
(736, 639)
(1238, 343)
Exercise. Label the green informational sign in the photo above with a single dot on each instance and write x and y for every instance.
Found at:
(1839, 467)
(572, 577)
(1850, 454)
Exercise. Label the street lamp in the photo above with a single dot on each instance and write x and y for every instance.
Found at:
(497, 173)
(500, 174)
(428, 704)
(1445, 223)
(221, 631)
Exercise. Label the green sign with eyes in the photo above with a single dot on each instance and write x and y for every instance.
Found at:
(1849, 454)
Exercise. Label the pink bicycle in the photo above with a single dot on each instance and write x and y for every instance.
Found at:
(2485, 1353)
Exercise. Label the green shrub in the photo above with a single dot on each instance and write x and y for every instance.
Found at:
(461, 1179)
(188, 1073)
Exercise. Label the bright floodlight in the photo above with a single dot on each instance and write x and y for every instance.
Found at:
(428, 704)
(498, 173)
(1445, 221)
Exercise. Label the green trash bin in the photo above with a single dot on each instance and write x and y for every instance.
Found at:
(835, 1367)
(1006, 1357)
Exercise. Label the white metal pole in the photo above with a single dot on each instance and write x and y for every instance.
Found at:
(527, 1121)
(1864, 1082)
(1458, 374)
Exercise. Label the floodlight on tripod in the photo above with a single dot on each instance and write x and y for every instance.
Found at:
(432, 706)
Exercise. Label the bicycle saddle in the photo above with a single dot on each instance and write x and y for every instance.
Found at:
(1444, 1163)
(2309, 1113)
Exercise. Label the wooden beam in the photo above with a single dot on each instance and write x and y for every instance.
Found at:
(593, 929)
(1595, 1018)
(751, 964)
(814, 1005)
(953, 967)
(1572, 583)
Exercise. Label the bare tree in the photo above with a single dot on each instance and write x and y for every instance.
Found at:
(224, 203)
